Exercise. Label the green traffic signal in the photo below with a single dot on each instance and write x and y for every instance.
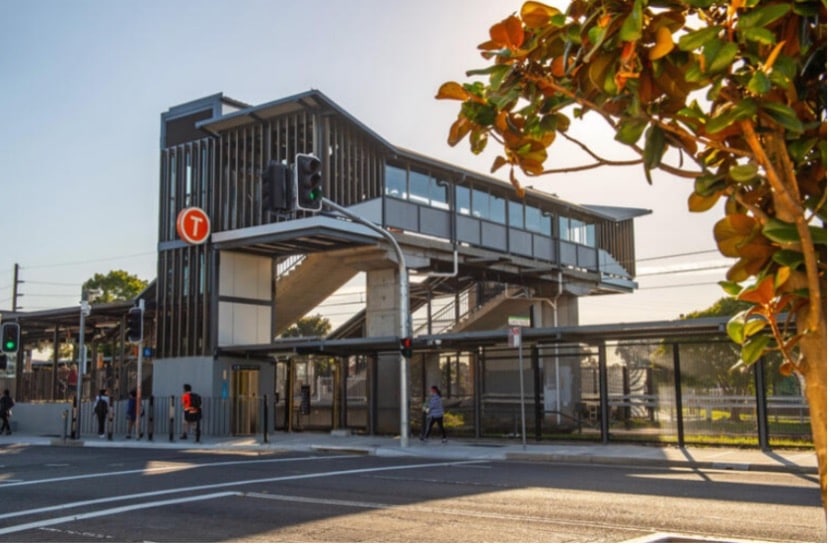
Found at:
(11, 337)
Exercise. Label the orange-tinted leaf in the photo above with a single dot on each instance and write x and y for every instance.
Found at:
(700, 203)
(761, 294)
(501, 122)
(744, 269)
(453, 90)
(558, 67)
(498, 162)
(508, 33)
(782, 276)
(537, 14)
(460, 128)
(663, 44)
(732, 231)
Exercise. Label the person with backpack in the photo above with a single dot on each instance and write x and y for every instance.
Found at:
(6, 405)
(192, 406)
(101, 410)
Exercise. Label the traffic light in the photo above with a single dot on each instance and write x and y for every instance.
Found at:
(4, 361)
(275, 187)
(11, 337)
(135, 325)
(308, 182)
(407, 347)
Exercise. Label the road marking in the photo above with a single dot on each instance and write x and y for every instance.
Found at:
(109, 512)
(169, 468)
(189, 490)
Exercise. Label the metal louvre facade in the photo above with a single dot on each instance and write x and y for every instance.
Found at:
(221, 174)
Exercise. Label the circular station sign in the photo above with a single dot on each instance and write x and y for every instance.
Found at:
(193, 225)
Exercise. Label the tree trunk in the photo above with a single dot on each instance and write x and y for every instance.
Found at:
(815, 371)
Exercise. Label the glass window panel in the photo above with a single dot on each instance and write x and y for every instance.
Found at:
(497, 209)
(462, 200)
(563, 227)
(395, 181)
(515, 215)
(480, 204)
(438, 194)
(419, 187)
(590, 235)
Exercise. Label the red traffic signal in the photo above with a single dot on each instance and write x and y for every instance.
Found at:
(407, 347)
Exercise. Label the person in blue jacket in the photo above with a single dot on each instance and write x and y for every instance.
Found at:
(434, 410)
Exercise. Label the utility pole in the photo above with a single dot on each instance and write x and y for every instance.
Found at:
(15, 293)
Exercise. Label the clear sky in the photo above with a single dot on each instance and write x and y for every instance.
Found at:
(85, 82)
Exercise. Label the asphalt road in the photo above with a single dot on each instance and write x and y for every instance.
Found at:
(56, 494)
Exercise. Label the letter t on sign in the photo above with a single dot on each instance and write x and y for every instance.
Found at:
(193, 225)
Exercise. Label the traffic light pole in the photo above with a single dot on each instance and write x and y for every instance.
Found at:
(82, 363)
(138, 431)
(405, 324)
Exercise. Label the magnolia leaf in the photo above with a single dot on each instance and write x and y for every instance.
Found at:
(759, 83)
(780, 232)
(753, 326)
(633, 24)
(453, 90)
(537, 14)
(735, 327)
(763, 16)
(754, 349)
(790, 258)
(458, 130)
(630, 130)
(508, 33)
(498, 162)
(724, 56)
(782, 276)
(733, 231)
(696, 39)
(761, 294)
(744, 173)
(759, 35)
(731, 288)
(702, 203)
(663, 44)
(655, 147)
(783, 115)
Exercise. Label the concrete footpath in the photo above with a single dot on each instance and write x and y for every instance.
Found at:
(793, 461)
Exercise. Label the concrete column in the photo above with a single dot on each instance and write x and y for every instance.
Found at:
(382, 319)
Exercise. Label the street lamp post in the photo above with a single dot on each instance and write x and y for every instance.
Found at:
(86, 308)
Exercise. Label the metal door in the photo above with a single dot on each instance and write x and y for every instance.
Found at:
(245, 397)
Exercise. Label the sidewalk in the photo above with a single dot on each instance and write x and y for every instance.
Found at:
(793, 461)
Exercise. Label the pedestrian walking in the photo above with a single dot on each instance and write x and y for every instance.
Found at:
(133, 413)
(101, 410)
(6, 405)
(192, 406)
(434, 415)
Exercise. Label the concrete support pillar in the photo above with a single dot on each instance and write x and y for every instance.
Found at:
(383, 308)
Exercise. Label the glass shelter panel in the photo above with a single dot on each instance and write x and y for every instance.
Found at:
(718, 402)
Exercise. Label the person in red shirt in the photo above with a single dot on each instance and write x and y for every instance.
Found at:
(191, 413)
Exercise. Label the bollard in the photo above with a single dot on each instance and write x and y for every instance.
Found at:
(150, 420)
(265, 418)
(75, 434)
(65, 414)
(110, 416)
(170, 413)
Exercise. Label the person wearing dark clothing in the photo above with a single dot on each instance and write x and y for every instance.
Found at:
(132, 414)
(434, 414)
(6, 405)
(192, 412)
(101, 409)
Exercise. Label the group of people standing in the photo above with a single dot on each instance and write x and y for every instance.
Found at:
(101, 409)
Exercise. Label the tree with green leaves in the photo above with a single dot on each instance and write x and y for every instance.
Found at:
(117, 285)
(730, 94)
(313, 326)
